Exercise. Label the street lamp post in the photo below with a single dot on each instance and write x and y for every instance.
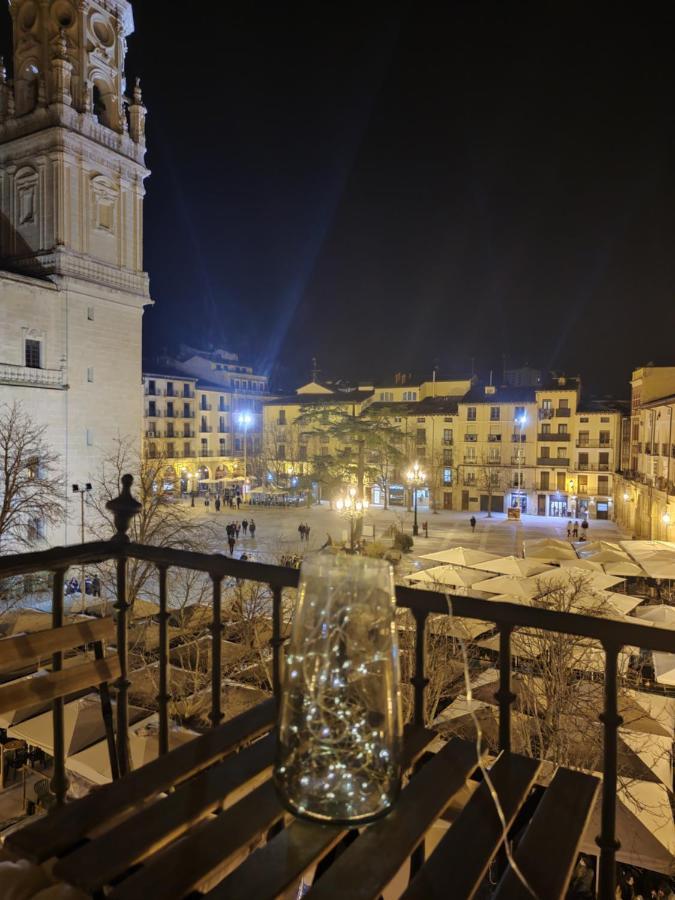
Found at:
(245, 419)
(521, 420)
(415, 478)
(351, 507)
(82, 491)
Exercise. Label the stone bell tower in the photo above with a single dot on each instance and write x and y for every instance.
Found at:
(72, 145)
(72, 285)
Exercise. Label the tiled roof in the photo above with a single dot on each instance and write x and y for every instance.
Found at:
(501, 395)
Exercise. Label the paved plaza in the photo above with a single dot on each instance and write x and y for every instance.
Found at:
(277, 529)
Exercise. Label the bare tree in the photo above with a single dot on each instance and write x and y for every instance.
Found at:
(490, 478)
(161, 521)
(31, 484)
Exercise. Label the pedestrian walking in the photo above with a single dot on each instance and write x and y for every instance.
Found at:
(244, 526)
(238, 501)
(575, 530)
(569, 530)
(96, 586)
(472, 523)
(301, 531)
(237, 529)
(425, 529)
(307, 530)
(584, 525)
(217, 504)
(231, 542)
(251, 528)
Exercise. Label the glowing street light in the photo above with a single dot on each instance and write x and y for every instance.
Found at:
(245, 419)
(350, 506)
(415, 478)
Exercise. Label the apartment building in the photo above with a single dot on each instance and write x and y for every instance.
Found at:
(481, 446)
(645, 490)
(208, 424)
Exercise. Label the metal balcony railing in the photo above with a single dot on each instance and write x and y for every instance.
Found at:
(206, 407)
(563, 412)
(28, 375)
(494, 438)
(553, 461)
(546, 413)
(613, 635)
(205, 429)
(592, 467)
(471, 438)
(554, 436)
(582, 443)
(518, 438)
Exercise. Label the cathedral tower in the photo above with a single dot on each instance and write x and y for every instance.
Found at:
(72, 171)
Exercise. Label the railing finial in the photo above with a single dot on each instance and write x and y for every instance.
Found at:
(124, 508)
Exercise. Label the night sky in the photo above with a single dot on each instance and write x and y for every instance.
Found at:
(389, 186)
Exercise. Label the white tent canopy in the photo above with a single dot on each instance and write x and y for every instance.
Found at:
(456, 576)
(460, 556)
(513, 585)
(664, 615)
(512, 565)
(657, 558)
(562, 578)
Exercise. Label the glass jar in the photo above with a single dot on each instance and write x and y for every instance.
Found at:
(339, 727)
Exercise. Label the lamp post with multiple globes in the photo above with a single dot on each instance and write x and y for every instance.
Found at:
(415, 478)
(350, 506)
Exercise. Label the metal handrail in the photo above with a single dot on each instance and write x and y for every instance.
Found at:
(612, 634)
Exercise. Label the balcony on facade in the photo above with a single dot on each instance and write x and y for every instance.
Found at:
(518, 438)
(583, 443)
(593, 467)
(563, 412)
(154, 392)
(205, 407)
(27, 375)
(471, 438)
(554, 436)
(470, 460)
(546, 413)
(554, 461)
(447, 442)
(205, 429)
(153, 434)
(494, 438)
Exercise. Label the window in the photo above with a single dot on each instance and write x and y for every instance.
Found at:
(447, 476)
(152, 408)
(203, 426)
(421, 419)
(583, 461)
(169, 389)
(410, 396)
(169, 450)
(546, 404)
(519, 413)
(151, 387)
(205, 444)
(386, 396)
(221, 424)
(563, 403)
(545, 453)
(603, 462)
(604, 438)
(186, 410)
(494, 413)
(90, 374)
(603, 485)
(421, 435)
(169, 429)
(545, 481)
(90, 313)
(281, 451)
(604, 420)
(562, 453)
(281, 420)
(546, 428)
(302, 452)
(471, 413)
(221, 404)
(187, 449)
(583, 440)
(494, 454)
(32, 354)
(90, 437)
(470, 455)
(447, 435)
(562, 429)
(169, 409)
(186, 390)
(560, 481)
(584, 419)
(447, 457)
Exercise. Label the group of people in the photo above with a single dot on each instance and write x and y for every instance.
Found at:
(303, 531)
(226, 501)
(91, 586)
(573, 530)
(234, 529)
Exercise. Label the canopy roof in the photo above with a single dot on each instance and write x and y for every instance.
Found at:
(512, 565)
(460, 556)
(457, 576)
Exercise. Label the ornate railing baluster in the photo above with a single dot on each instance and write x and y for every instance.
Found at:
(122, 683)
(611, 721)
(419, 681)
(216, 714)
(505, 696)
(277, 641)
(163, 695)
(59, 782)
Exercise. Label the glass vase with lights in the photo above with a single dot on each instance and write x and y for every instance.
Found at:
(339, 727)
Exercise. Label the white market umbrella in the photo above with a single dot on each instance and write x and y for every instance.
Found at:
(594, 546)
(586, 564)
(512, 565)
(513, 585)
(550, 553)
(604, 556)
(460, 556)
(664, 615)
(560, 578)
(626, 569)
(664, 668)
(447, 575)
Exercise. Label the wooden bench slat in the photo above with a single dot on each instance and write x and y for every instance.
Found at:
(176, 872)
(61, 829)
(460, 861)
(129, 842)
(548, 849)
(24, 649)
(50, 685)
(365, 869)
(273, 868)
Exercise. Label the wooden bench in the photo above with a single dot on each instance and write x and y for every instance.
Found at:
(44, 686)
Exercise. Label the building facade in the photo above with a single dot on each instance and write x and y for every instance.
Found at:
(72, 285)
(482, 447)
(645, 489)
(203, 416)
